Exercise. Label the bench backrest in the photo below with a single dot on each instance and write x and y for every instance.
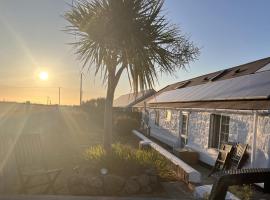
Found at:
(237, 157)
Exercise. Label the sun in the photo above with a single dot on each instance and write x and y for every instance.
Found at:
(43, 75)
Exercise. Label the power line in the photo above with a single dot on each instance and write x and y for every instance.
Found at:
(31, 87)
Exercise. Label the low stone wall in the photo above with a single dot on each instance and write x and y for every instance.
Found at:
(183, 170)
(85, 183)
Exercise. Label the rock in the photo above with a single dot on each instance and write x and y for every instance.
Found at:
(78, 185)
(151, 171)
(143, 180)
(113, 184)
(88, 170)
(147, 189)
(95, 185)
(153, 179)
(131, 187)
(96, 182)
(134, 178)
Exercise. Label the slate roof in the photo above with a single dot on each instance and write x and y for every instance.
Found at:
(226, 74)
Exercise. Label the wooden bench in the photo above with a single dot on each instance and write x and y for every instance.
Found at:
(224, 179)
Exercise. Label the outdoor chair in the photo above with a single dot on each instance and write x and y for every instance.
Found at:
(230, 157)
(238, 156)
(31, 165)
(223, 158)
(224, 179)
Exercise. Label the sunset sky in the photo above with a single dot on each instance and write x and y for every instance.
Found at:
(228, 32)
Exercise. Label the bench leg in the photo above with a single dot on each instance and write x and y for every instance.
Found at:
(51, 181)
(24, 181)
(219, 191)
(267, 187)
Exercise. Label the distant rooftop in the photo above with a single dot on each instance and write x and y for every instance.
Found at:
(128, 100)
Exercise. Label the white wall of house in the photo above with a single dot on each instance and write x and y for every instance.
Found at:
(198, 136)
(240, 130)
(166, 131)
(262, 157)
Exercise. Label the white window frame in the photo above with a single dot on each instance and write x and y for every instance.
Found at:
(183, 136)
(157, 117)
(220, 131)
(168, 115)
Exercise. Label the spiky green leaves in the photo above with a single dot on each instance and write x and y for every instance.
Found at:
(129, 34)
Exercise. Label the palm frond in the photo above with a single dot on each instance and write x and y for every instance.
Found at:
(131, 34)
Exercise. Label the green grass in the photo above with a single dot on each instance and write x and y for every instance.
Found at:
(243, 192)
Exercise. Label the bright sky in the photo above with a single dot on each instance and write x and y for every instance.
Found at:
(229, 33)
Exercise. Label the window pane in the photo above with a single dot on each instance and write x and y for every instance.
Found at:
(219, 132)
(168, 115)
(157, 118)
(224, 134)
(184, 131)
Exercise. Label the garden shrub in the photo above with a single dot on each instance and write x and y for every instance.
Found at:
(127, 161)
(95, 109)
(124, 125)
(243, 192)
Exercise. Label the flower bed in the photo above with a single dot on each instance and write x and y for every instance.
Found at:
(124, 171)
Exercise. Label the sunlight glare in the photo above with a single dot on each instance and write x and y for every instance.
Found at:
(43, 76)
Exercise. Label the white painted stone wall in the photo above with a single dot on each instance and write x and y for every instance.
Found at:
(167, 131)
(198, 136)
(262, 156)
(173, 124)
(240, 130)
(198, 129)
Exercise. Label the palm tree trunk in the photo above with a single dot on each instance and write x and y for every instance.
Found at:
(107, 138)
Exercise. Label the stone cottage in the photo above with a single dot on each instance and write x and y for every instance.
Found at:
(231, 105)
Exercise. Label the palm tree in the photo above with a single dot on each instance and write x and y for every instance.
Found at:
(134, 36)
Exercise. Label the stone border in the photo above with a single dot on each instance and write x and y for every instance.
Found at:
(184, 171)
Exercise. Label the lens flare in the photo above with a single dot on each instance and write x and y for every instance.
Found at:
(43, 76)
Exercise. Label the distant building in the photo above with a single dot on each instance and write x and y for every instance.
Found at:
(231, 105)
(128, 100)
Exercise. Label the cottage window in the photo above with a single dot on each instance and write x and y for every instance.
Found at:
(184, 130)
(168, 115)
(219, 130)
(157, 117)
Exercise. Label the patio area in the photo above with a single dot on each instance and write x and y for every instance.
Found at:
(252, 191)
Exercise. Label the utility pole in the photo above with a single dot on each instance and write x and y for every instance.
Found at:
(81, 92)
(59, 95)
(48, 100)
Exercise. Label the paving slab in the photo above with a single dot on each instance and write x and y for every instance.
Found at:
(177, 190)
(57, 197)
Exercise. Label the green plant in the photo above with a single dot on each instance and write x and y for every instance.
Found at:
(127, 36)
(124, 125)
(127, 161)
(243, 192)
